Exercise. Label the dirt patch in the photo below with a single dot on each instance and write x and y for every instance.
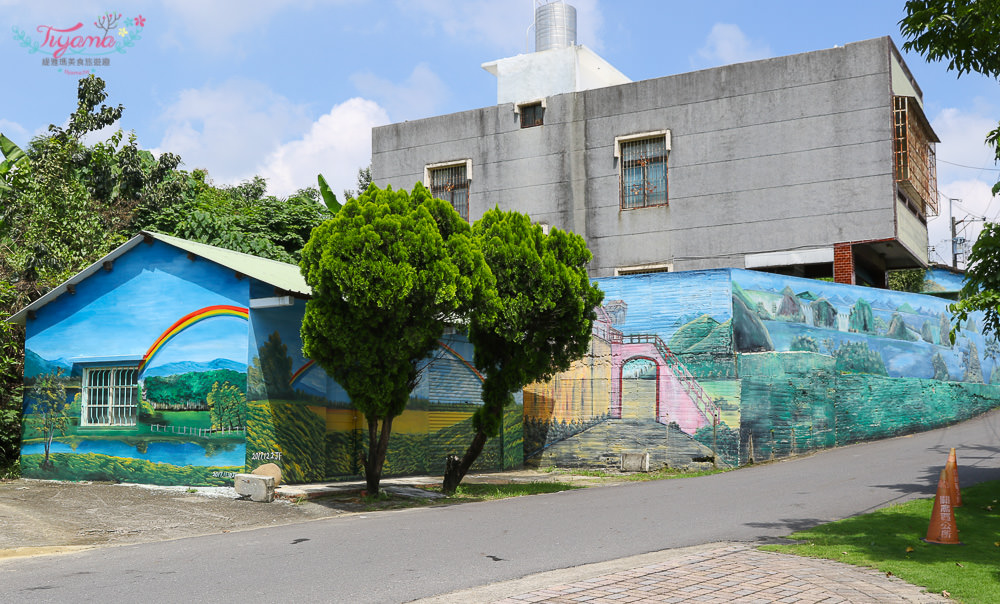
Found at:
(44, 516)
(39, 515)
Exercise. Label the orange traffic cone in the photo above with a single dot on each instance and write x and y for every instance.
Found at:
(942, 528)
(952, 466)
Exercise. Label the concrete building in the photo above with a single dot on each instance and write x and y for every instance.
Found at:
(816, 164)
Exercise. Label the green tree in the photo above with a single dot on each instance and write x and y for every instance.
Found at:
(364, 180)
(962, 32)
(274, 368)
(387, 272)
(981, 290)
(544, 312)
(227, 405)
(48, 409)
(909, 280)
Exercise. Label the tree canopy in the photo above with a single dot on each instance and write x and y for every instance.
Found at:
(981, 290)
(545, 307)
(962, 32)
(965, 33)
(387, 273)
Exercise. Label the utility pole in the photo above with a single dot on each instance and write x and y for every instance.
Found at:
(954, 247)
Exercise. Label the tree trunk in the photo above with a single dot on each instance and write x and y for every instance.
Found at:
(455, 470)
(48, 447)
(378, 446)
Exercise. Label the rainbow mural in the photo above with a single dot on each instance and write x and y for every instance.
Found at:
(465, 362)
(310, 364)
(208, 312)
(301, 371)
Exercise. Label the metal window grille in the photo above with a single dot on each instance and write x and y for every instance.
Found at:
(531, 115)
(452, 185)
(643, 173)
(110, 396)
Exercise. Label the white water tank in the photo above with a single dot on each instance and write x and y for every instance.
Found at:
(555, 26)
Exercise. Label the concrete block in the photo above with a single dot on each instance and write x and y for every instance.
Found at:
(257, 488)
(635, 462)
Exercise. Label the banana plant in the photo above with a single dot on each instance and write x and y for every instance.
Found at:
(13, 155)
(329, 198)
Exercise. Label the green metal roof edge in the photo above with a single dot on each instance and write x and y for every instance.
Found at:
(273, 272)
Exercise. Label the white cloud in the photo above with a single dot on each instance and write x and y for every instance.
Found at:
(419, 96)
(963, 142)
(15, 132)
(966, 173)
(230, 128)
(973, 199)
(727, 44)
(336, 145)
(500, 24)
(215, 25)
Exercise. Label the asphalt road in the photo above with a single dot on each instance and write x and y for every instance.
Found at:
(403, 555)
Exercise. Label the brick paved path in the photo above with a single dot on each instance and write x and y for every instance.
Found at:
(730, 573)
(737, 573)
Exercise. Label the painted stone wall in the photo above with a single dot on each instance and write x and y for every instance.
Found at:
(822, 364)
(743, 366)
(303, 421)
(140, 375)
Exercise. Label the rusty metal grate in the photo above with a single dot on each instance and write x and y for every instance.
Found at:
(644, 173)
(452, 185)
(914, 158)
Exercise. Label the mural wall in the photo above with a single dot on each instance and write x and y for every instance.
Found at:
(139, 375)
(157, 371)
(303, 421)
(743, 366)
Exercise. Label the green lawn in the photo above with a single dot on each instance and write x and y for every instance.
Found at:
(890, 540)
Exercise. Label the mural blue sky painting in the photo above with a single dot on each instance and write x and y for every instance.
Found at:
(289, 89)
(151, 297)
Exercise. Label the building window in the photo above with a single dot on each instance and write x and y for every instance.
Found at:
(531, 114)
(450, 182)
(641, 269)
(642, 162)
(110, 396)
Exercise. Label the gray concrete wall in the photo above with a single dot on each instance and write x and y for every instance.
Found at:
(780, 154)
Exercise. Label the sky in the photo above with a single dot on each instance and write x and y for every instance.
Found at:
(287, 90)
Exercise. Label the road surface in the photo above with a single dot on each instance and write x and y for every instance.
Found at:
(404, 555)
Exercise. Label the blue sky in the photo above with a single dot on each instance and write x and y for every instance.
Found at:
(289, 89)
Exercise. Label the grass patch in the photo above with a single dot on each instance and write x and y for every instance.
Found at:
(515, 489)
(890, 541)
(661, 474)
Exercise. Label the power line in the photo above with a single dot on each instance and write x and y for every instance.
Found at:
(950, 163)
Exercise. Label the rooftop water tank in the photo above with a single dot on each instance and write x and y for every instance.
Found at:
(555, 26)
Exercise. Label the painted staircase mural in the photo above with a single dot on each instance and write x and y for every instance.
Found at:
(742, 367)
(654, 405)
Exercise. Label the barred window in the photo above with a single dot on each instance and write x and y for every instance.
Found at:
(110, 396)
(451, 183)
(643, 172)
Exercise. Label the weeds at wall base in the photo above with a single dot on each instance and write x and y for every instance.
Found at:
(11, 471)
